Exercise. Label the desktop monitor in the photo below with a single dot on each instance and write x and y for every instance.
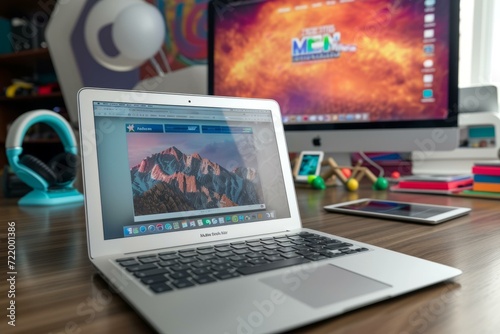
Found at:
(349, 75)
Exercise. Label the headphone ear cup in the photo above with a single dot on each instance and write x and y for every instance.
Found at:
(39, 167)
(64, 166)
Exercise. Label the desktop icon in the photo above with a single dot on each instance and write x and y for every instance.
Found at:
(235, 219)
(429, 48)
(143, 229)
(221, 220)
(151, 228)
(200, 222)
(176, 225)
(259, 216)
(430, 3)
(428, 78)
(228, 219)
(136, 230)
(168, 226)
(429, 33)
(207, 221)
(241, 218)
(192, 223)
(427, 93)
(159, 227)
(428, 63)
(127, 231)
(429, 18)
(214, 221)
(184, 224)
(270, 214)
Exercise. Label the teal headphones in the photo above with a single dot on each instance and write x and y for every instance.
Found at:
(60, 172)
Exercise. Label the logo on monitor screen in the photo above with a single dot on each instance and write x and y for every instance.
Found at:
(317, 43)
(317, 141)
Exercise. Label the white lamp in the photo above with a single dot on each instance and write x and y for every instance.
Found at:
(137, 31)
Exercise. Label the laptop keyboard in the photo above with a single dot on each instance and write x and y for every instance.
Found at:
(167, 271)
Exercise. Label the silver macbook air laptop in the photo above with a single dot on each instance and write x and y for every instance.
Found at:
(192, 217)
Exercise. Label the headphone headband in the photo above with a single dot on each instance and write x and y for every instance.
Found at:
(21, 125)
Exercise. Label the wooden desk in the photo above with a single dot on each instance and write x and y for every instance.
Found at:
(57, 290)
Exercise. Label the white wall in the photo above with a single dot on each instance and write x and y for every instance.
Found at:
(495, 63)
(479, 42)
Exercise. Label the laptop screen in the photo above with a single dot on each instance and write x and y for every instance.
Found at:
(164, 169)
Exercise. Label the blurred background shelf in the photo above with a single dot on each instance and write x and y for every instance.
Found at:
(53, 97)
(30, 63)
(25, 57)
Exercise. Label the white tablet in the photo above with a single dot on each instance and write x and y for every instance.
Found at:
(309, 163)
(405, 211)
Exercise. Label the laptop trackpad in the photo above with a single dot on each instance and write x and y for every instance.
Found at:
(324, 285)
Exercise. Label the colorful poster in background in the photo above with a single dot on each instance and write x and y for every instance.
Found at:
(186, 30)
(186, 35)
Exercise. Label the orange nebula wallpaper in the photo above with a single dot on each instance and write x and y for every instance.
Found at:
(388, 58)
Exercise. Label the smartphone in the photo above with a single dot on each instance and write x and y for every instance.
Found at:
(309, 163)
(404, 211)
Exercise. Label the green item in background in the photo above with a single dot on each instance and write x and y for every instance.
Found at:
(316, 182)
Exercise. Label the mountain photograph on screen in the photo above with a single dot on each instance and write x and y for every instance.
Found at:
(174, 180)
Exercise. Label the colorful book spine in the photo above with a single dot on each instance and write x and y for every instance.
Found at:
(486, 178)
(490, 187)
(486, 170)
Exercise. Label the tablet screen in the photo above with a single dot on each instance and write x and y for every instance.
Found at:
(309, 164)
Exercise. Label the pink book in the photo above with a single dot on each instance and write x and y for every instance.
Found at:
(436, 185)
(486, 170)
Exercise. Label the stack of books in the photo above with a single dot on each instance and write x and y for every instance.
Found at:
(435, 184)
(486, 179)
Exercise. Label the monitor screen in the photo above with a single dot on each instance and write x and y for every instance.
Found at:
(344, 65)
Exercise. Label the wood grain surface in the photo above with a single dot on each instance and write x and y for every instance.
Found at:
(58, 291)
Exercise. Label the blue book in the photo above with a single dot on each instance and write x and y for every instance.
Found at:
(486, 178)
